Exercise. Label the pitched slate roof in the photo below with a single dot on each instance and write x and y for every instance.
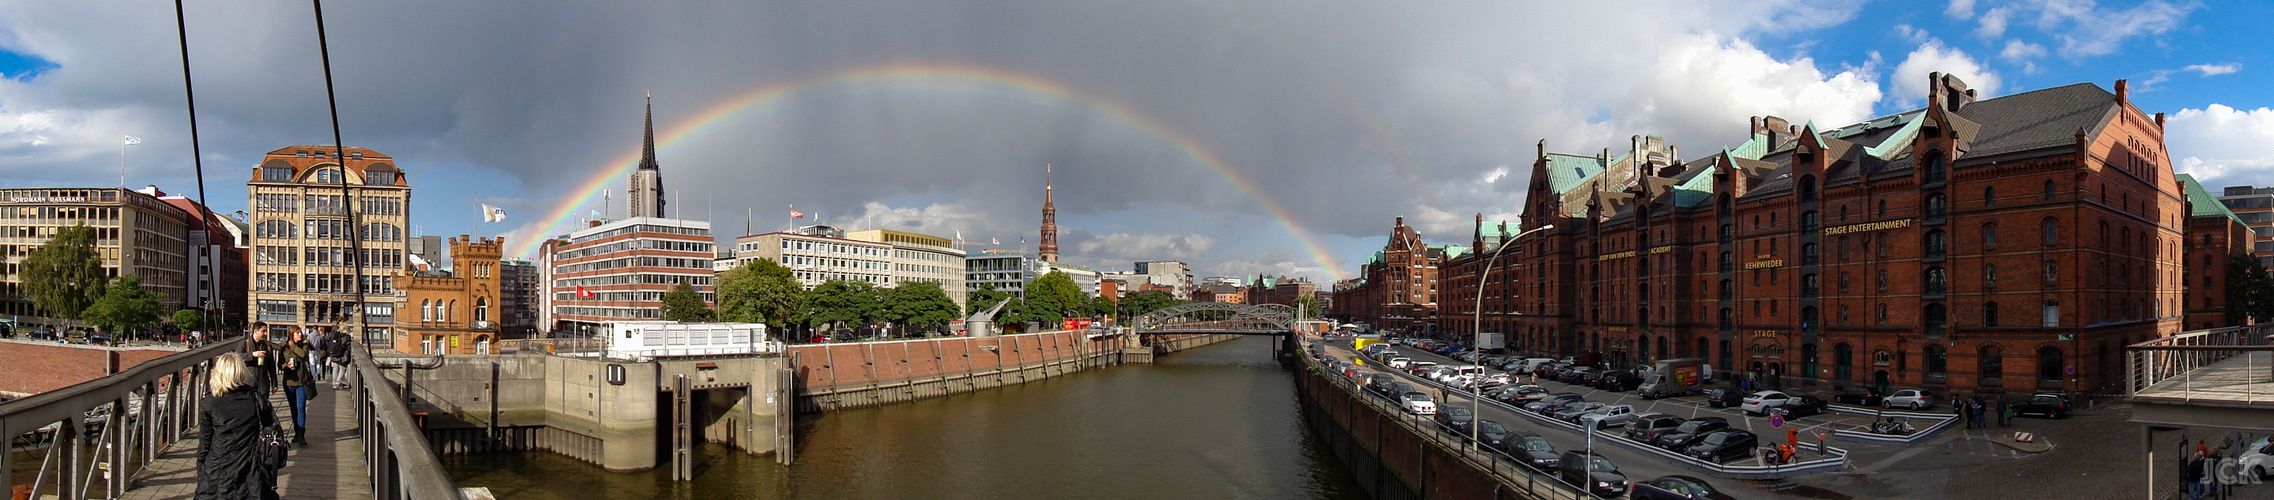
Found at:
(2038, 118)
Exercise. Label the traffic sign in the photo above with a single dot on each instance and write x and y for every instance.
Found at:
(2072, 369)
(1776, 421)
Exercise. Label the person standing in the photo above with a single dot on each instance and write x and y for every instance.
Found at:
(336, 352)
(295, 371)
(316, 351)
(229, 430)
(2196, 480)
(2005, 413)
(262, 360)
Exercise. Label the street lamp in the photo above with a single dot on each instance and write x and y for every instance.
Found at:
(1476, 326)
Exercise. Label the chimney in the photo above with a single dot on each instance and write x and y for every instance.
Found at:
(2159, 120)
(1401, 221)
(1542, 147)
(2122, 93)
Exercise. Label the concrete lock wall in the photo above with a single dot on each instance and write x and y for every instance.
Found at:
(1389, 460)
(845, 376)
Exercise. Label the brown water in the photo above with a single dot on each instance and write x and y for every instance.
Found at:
(1220, 421)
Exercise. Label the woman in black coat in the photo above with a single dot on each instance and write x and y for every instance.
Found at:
(229, 435)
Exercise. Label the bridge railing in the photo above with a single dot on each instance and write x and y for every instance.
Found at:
(95, 435)
(1512, 472)
(2180, 358)
(400, 463)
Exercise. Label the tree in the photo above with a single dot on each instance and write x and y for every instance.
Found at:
(920, 304)
(124, 306)
(1097, 306)
(1308, 306)
(837, 302)
(2250, 291)
(760, 292)
(1137, 304)
(64, 276)
(979, 300)
(1051, 296)
(683, 303)
(189, 319)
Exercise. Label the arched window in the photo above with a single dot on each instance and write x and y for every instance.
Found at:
(1844, 315)
(1723, 206)
(481, 309)
(1810, 319)
(425, 310)
(2048, 190)
(1882, 313)
(1843, 249)
(2104, 235)
(1728, 262)
(1937, 319)
(2052, 273)
(1843, 213)
(1728, 289)
(1810, 286)
(449, 310)
(1938, 168)
(328, 176)
(1989, 196)
(2049, 363)
(1990, 365)
(1883, 208)
(1989, 275)
(1938, 281)
(1808, 360)
(1843, 282)
(1728, 233)
(1990, 236)
(1809, 253)
(1881, 284)
(1990, 314)
(1810, 222)
(1937, 245)
(1938, 360)
(1938, 207)
(2052, 313)
(1728, 319)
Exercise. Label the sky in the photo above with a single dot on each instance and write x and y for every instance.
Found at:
(1243, 137)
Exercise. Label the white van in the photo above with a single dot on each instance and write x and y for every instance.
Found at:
(1459, 371)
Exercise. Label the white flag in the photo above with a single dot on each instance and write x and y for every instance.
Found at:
(959, 236)
(132, 140)
(993, 241)
(492, 214)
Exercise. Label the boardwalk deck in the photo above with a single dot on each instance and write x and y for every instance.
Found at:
(332, 466)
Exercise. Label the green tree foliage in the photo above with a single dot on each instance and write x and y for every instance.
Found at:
(1137, 304)
(985, 297)
(1050, 297)
(2250, 292)
(683, 303)
(64, 276)
(1097, 307)
(1308, 306)
(1014, 316)
(919, 304)
(840, 303)
(189, 319)
(760, 292)
(124, 306)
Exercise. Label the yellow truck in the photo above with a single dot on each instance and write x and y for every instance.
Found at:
(1365, 340)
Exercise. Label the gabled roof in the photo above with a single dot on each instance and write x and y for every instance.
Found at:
(2038, 118)
(1567, 171)
(2200, 203)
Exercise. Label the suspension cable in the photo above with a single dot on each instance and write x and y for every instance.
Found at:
(197, 161)
(339, 152)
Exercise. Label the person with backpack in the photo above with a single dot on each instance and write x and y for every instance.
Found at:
(294, 371)
(232, 457)
(336, 353)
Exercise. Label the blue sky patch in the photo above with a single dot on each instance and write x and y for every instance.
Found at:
(21, 66)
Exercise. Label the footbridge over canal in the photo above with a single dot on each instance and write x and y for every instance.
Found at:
(1166, 329)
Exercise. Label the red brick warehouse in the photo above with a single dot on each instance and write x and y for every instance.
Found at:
(1976, 245)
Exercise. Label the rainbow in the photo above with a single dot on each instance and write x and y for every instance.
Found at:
(563, 216)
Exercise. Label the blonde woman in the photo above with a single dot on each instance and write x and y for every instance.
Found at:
(229, 435)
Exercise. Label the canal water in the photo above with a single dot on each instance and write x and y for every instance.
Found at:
(1220, 421)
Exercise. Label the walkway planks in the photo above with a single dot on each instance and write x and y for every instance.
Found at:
(332, 466)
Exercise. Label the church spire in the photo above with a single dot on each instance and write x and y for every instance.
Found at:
(1049, 218)
(647, 149)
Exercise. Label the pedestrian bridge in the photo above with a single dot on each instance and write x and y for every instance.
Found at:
(1218, 317)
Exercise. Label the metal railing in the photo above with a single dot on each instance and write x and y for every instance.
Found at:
(106, 429)
(2180, 358)
(1509, 470)
(397, 458)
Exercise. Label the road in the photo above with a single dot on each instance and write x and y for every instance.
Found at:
(1635, 465)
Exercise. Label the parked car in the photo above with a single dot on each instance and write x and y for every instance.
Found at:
(1859, 396)
(1607, 417)
(1760, 402)
(2259, 461)
(1456, 418)
(1677, 488)
(1540, 405)
(1594, 473)
(1572, 412)
(2048, 405)
(1620, 381)
(1419, 367)
(1649, 426)
(1724, 398)
(1912, 399)
(1491, 434)
(1723, 445)
(1400, 363)
(1418, 403)
(1799, 406)
(1533, 450)
(1680, 437)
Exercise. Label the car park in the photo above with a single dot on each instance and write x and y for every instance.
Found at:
(1492, 435)
(1607, 417)
(1859, 396)
(1418, 403)
(1456, 417)
(1571, 413)
(1620, 381)
(1676, 488)
(2046, 405)
(1760, 402)
(1724, 398)
(1680, 437)
(1593, 472)
(1912, 399)
(1533, 450)
(1723, 445)
(1541, 405)
(1649, 426)
(1799, 406)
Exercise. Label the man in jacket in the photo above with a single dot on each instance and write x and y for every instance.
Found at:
(261, 358)
(336, 352)
(294, 366)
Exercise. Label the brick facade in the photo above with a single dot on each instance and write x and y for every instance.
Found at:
(37, 367)
(1398, 288)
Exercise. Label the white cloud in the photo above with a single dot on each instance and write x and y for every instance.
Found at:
(2214, 69)
(1993, 23)
(1495, 175)
(938, 219)
(2085, 29)
(1125, 247)
(1912, 33)
(1910, 79)
(2023, 53)
(1703, 82)
(2223, 145)
(1960, 9)
(1449, 227)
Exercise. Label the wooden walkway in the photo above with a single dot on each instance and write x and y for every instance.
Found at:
(332, 466)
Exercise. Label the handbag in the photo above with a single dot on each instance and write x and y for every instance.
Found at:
(275, 447)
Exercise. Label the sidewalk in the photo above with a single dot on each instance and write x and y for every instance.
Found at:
(332, 466)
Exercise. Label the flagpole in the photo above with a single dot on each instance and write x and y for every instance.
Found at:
(479, 220)
(122, 166)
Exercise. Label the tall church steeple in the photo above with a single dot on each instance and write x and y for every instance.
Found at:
(646, 192)
(1049, 219)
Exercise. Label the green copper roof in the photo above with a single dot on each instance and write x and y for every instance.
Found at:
(1888, 149)
(1696, 191)
(2202, 204)
(1566, 171)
